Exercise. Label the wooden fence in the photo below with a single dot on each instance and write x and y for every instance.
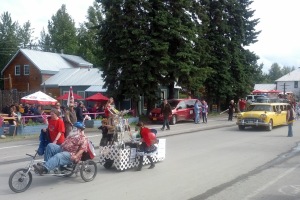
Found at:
(9, 97)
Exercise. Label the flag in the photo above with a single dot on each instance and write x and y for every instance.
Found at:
(70, 97)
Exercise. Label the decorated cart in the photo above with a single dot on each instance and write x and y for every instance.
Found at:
(124, 154)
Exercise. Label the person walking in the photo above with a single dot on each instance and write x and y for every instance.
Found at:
(231, 110)
(290, 119)
(166, 111)
(197, 111)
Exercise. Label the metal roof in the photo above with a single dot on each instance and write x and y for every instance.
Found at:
(50, 63)
(266, 87)
(77, 59)
(292, 76)
(76, 77)
(96, 88)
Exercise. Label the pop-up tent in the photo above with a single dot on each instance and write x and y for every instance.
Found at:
(97, 97)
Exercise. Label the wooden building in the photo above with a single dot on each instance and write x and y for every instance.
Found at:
(28, 69)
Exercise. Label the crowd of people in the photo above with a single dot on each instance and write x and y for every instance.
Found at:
(60, 145)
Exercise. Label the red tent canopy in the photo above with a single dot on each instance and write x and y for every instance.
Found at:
(97, 97)
(259, 91)
(65, 96)
(274, 91)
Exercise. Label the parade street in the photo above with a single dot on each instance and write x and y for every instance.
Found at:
(214, 161)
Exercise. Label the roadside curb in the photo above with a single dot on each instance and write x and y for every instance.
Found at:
(173, 133)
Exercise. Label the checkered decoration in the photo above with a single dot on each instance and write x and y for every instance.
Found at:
(125, 158)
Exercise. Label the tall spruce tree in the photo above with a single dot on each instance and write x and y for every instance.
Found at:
(231, 29)
(88, 36)
(123, 36)
(62, 32)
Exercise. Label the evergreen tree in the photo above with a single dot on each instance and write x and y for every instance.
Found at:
(123, 36)
(25, 36)
(275, 72)
(44, 42)
(12, 37)
(62, 32)
(286, 69)
(88, 36)
(231, 29)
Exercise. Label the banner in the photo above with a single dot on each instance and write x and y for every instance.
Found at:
(70, 97)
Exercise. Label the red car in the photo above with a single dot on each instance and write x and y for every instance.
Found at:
(182, 109)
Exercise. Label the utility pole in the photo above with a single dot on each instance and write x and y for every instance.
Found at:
(284, 88)
(10, 82)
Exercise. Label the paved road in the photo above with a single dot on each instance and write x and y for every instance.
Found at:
(215, 164)
(15, 150)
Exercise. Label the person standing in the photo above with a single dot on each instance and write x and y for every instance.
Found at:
(290, 119)
(204, 111)
(242, 105)
(166, 111)
(79, 112)
(197, 111)
(231, 110)
(109, 105)
(60, 110)
(70, 119)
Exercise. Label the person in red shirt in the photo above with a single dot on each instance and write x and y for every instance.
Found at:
(69, 151)
(56, 128)
(148, 139)
(242, 105)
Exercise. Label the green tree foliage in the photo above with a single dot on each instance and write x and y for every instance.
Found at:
(151, 43)
(286, 69)
(45, 41)
(88, 37)
(25, 35)
(12, 37)
(230, 29)
(62, 32)
(275, 72)
(123, 36)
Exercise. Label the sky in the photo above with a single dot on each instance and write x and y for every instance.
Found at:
(277, 43)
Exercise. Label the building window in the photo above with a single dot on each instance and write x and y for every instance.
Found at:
(26, 69)
(17, 70)
(296, 84)
(81, 93)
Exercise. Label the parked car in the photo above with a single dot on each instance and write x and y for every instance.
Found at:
(263, 115)
(253, 98)
(182, 109)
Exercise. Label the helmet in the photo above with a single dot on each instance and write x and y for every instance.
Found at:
(79, 125)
